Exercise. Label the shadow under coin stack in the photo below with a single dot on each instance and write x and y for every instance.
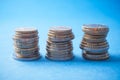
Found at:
(59, 44)
(94, 44)
(26, 44)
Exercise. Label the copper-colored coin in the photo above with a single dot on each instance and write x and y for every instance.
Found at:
(96, 57)
(95, 45)
(95, 29)
(28, 35)
(17, 56)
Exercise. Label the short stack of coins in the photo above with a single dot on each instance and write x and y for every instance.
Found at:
(59, 45)
(94, 44)
(26, 44)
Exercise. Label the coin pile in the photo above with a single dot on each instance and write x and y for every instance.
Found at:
(59, 44)
(26, 44)
(94, 44)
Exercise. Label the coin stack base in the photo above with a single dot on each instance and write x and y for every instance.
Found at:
(26, 44)
(95, 57)
(59, 44)
(94, 44)
(59, 58)
(26, 58)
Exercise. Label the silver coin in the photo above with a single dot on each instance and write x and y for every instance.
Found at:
(97, 53)
(96, 50)
(59, 54)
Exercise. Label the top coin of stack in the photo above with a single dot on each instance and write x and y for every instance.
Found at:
(26, 44)
(60, 34)
(95, 29)
(59, 45)
(94, 43)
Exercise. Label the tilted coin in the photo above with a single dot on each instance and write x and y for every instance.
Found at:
(95, 29)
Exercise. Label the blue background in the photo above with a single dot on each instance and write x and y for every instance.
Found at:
(44, 14)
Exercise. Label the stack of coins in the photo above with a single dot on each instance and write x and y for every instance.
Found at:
(26, 44)
(59, 44)
(94, 44)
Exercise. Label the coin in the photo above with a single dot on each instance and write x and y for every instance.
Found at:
(95, 29)
(20, 57)
(62, 58)
(61, 38)
(95, 45)
(26, 30)
(25, 40)
(26, 45)
(94, 40)
(60, 29)
(97, 53)
(95, 57)
(94, 36)
(28, 35)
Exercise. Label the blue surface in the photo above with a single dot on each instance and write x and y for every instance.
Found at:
(43, 14)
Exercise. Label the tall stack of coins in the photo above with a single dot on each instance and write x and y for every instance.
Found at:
(59, 44)
(26, 44)
(94, 44)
